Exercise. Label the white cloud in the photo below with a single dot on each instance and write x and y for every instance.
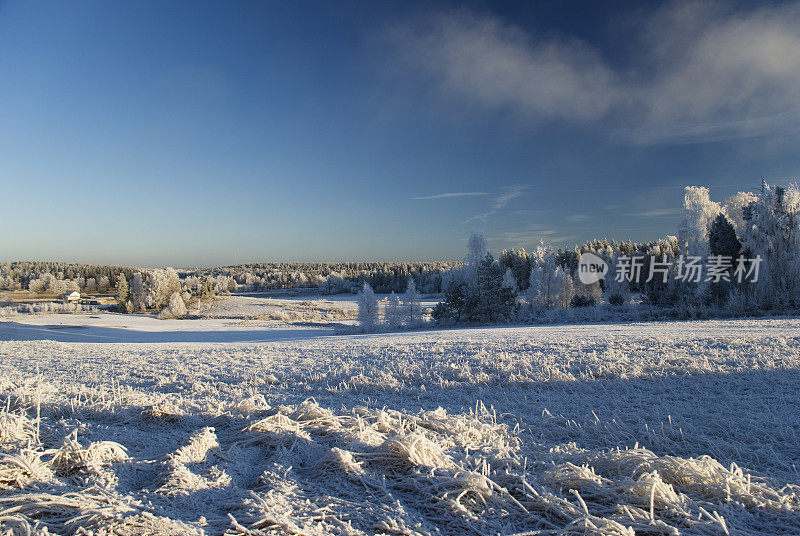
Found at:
(658, 213)
(483, 217)
(578, 218)
(499, 202)
(507, 195)
(448, 195)
(531, 236)
(701, 71)
(498, 65)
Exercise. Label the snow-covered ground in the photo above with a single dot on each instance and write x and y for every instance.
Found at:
(309, 309)
(254, 427)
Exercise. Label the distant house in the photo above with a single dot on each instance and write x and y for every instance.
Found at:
(72, 296)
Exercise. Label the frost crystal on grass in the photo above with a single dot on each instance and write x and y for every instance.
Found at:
(573, 430)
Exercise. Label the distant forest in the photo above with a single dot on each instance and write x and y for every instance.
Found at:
(756, 233)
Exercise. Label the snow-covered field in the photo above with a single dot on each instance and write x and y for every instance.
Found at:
(310, 309)
(313, 309)
(229, 426)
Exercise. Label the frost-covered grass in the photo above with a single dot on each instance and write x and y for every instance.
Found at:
(45, 308)
(679, 427)
(310, 309)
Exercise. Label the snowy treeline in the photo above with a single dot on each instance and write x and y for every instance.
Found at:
(480, 291)
(334, 278)
(737, 257)
(58, 277)
(136, 290)
(477, 291)
(398, 311)
(164, 292)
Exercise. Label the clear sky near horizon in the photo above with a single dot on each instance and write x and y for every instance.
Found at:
(207, 133)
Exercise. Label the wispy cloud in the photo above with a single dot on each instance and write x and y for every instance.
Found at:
(702, 71)
(499, 202)
(658, 213)
(448, 195)
(533, 234)
(576, 218)
(483, 217)
(504, 198)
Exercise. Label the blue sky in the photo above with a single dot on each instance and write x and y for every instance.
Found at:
(201, 133)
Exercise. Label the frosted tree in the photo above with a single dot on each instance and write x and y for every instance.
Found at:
(37, 285)
(103, 284)
(476, 252)
(735, 207)
(773, 233)
(494, 300)
(700, 212)
(509, 281)
(519, 261)
(411, 303)
(122, 292)
(160, 286)
(137, 293)
(457, 298)
(175, 309)
(616, 292)
(591, 293)
(173, 283)
(55, 285)
(91, 285)
(206, 289)
(543, 288)
(566, 288)
(154, 285)
(393, 312)
(233, 286)
(476, 249)
(367, 308)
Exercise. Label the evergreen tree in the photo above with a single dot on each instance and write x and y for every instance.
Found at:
(566, 288)
(137, 293)
(175, 309)
(494, 300)
(122, 293)
(393, 312)
(207, 289)
(476, 252)
(103, 284)
(509, 281)
(411, 303)
(519, 262)
(367, 308)
(616, 292)
(454, 305)
(722, 238)
(544, 287)
(722, 241)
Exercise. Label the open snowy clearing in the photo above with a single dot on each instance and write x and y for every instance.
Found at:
(116, 328)
(313, 309)
(224, 427)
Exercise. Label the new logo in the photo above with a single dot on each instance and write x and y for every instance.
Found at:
(591, 268)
